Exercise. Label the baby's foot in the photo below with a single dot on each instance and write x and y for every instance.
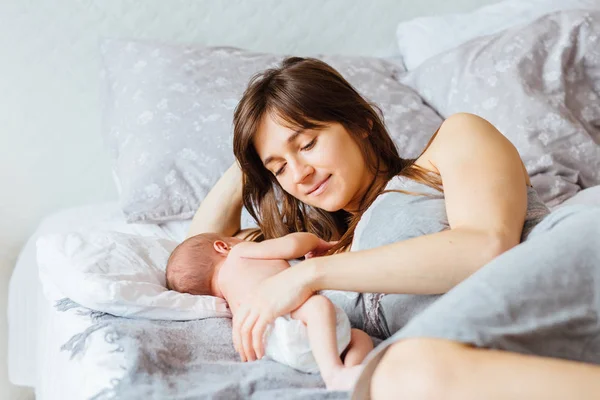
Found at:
(343, 378)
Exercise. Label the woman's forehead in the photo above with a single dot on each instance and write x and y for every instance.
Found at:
(272, 123)
(272, 132)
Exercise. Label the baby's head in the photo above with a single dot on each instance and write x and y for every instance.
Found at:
(193, 264)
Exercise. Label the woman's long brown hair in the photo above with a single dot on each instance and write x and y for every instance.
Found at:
(308, 93)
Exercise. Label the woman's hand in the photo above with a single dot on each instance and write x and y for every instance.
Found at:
(274, 297)
(321, 249)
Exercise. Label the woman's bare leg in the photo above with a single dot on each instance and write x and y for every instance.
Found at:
(442, 369)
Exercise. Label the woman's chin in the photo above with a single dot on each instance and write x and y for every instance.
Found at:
(329, 206)
(326, 201)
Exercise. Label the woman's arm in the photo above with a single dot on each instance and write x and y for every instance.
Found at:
(221, 210)
(486, 200)
(430, 264)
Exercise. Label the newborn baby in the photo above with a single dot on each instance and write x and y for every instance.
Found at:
(230, 268)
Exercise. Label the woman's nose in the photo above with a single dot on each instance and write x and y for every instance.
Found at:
(301, 171)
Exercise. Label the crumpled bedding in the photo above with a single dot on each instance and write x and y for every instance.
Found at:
(182, 360)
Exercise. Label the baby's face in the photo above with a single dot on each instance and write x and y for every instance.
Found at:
(233, 241)
(223, 250)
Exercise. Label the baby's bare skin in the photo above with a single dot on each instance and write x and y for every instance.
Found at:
(247, 264)
(239, 276)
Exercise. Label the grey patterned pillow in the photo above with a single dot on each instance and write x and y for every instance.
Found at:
(540, 85)
(168, 112)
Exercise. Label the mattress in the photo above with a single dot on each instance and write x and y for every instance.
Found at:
(36, 330)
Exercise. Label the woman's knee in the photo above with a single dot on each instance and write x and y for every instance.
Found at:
(417, 369)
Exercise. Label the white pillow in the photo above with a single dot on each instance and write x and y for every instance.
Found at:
(120, 274)
(424, 37)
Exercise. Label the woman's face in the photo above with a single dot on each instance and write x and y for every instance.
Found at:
(324, 168)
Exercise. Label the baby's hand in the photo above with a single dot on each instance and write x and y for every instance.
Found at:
(321, 249)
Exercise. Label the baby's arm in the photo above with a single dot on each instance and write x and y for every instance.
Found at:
(287, 247)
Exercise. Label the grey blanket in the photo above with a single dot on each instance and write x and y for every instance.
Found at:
(188, 360)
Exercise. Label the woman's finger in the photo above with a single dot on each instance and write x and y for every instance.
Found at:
(246, 336)
(238, 320)
(235, 330)
(258, 333)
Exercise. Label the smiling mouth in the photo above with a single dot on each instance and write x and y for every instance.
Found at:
(319, 188)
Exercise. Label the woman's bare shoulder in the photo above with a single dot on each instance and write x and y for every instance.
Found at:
(439, 148)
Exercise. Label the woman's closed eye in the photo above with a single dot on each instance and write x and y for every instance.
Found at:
(280, 170)
(308, 146)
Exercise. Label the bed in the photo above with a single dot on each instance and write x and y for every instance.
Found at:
(45, 325)
(63, 349)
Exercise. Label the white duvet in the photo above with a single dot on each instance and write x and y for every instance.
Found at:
(35, 330)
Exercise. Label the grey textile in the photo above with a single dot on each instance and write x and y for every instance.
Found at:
(542, 297)
(168, 112)
(179, 360)
(539, 84)
(399, 216)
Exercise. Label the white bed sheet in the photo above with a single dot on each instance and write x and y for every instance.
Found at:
(35, 330)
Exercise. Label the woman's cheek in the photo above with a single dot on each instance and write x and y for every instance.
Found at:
(321, 155)
(287, 188)
(292, 189)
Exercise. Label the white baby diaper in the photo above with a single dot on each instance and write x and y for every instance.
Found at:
(288, 343)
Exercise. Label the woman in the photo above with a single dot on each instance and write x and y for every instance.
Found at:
(316, 157)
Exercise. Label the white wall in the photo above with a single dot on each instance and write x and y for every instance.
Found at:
(51, 153)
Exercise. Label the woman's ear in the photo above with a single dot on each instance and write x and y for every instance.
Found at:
(221, 247)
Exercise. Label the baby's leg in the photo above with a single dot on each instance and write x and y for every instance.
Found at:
(360, 345)
(318, 313)
(358, 348)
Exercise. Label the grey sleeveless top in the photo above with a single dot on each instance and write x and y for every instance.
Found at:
(398, 216)
(393, 217)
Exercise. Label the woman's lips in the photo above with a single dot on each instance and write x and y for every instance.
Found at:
(321, 188)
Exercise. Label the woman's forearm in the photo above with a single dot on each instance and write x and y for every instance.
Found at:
(221, 209)
(430, 264)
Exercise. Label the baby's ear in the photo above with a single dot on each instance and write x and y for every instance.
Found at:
(221, 247)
